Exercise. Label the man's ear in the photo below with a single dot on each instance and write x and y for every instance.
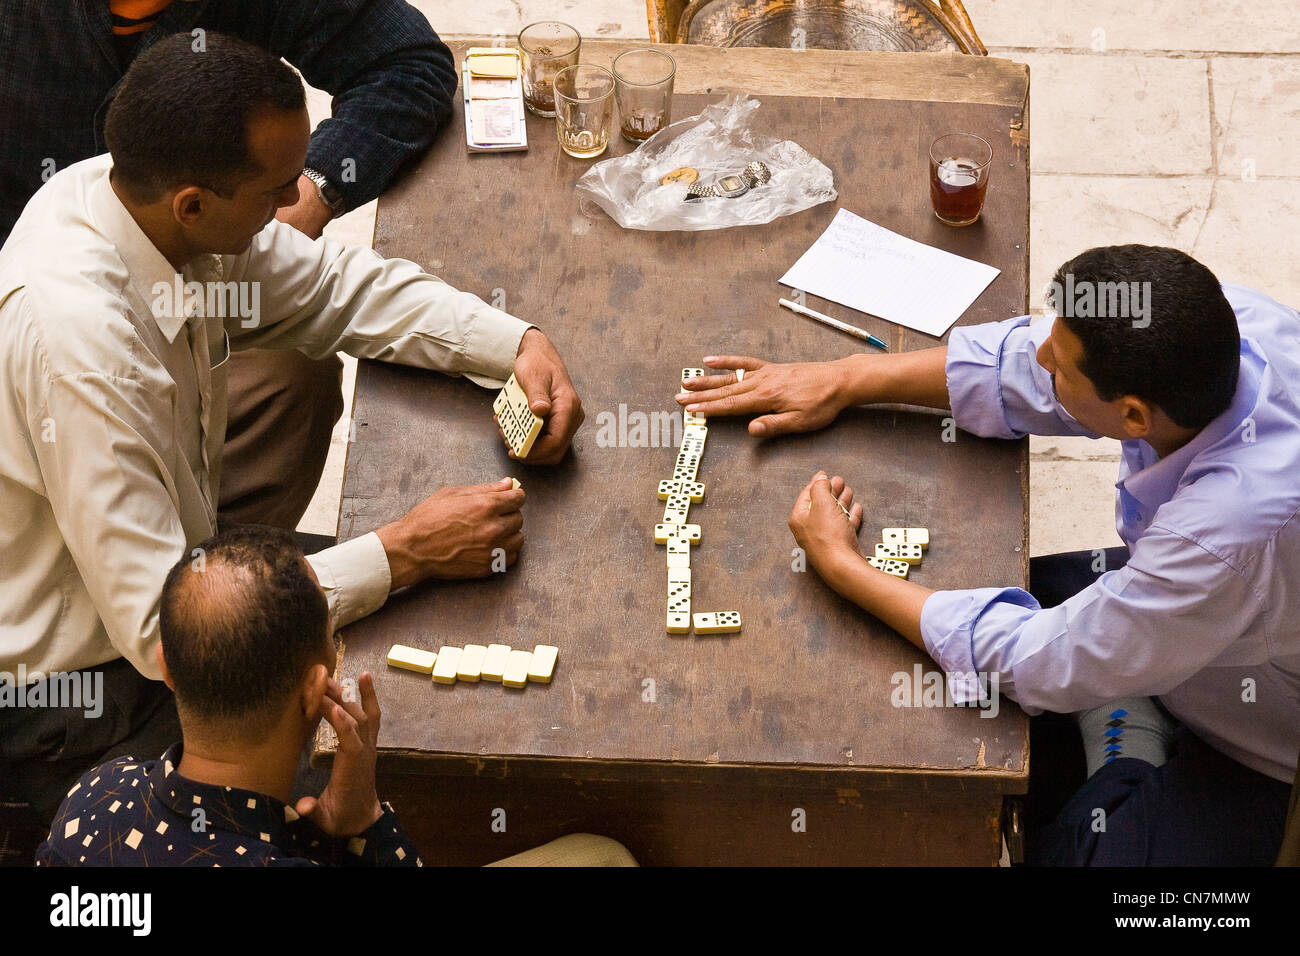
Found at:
(1139, 416)
(162, 665)
(188, 205)
(315, 683)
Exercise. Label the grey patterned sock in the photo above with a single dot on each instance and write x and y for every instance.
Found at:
(1132, 727)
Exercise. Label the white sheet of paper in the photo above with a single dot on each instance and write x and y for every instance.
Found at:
(866, 267)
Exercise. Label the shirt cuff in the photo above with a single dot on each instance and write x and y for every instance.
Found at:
(385, 843)
(355, 577)
(494, 344)
(948, 622)
(974, 378)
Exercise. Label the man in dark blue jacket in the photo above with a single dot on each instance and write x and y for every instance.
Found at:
(392, 81)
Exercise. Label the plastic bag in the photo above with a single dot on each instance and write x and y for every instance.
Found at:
(716, 142)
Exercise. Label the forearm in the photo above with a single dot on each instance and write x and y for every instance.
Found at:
(400, 543)
(321, 297)
(905, 378)
(393, 82)
(893, 600)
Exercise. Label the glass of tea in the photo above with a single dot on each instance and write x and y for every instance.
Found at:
(547, 48)
(959, 177)
(643, 88)
(584, 109)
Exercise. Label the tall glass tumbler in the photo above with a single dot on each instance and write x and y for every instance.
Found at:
(959, 177)
(643, 88)
(547, 47)
(584, 109)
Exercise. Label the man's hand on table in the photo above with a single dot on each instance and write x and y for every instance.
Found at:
(819, 522)
(829, 538)
(806, 396)
(309, 215)
(541, 374)
(457, 532)
(799, 397)
(349, 803)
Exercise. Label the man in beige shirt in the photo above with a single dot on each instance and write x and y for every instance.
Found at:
(112, 391)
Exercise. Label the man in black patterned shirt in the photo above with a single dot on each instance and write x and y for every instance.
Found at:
(246, 648)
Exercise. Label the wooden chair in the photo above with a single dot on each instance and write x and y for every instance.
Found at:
(894, 25)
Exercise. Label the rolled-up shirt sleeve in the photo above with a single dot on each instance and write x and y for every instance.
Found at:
(1139, 630)
(997, 388)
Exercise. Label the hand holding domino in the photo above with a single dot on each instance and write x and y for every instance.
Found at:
(818, 518)
(540, 406)
(461, 531)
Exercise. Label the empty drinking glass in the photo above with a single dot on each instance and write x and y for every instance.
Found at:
(643, 87)
(584, 109)
(547, 48)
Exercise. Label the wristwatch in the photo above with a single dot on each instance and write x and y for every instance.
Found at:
(733, 185)
(326, 190)
(728, 187)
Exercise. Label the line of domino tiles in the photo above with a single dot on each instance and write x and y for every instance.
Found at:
(680, 492)
(475, 662)
(900, 549)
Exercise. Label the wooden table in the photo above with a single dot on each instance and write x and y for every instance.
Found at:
(690, 749)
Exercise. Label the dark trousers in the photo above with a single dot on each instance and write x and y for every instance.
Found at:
(43, 750)
(1200, 808)
(282, 408)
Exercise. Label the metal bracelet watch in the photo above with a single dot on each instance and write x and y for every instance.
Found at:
(728, 187)
(732, 185)
(326, 190)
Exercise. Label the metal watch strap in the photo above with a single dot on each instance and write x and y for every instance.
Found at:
(757, 174)
(698, 190)
(328, 192)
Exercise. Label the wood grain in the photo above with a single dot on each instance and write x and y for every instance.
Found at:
(805, 687)
(929, 77)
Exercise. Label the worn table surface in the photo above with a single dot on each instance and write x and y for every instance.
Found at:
(807, 683)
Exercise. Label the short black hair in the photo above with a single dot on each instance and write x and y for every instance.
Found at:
(181, 114)
(241, 620)
(1180, 350)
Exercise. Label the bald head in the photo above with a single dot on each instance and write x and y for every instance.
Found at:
(242, 618)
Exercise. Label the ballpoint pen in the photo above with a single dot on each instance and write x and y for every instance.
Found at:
(835, 324)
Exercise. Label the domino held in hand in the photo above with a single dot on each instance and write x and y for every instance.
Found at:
(520, 426)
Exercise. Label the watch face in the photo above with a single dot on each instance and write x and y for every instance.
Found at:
(730, 183)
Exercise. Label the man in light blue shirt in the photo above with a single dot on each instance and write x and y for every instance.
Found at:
(1201, 383)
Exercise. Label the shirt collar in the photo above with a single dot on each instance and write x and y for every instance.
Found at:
(247, 812)
(150, 274)
(1156, 484)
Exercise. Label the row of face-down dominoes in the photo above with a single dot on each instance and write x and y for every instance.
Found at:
(474, 662)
